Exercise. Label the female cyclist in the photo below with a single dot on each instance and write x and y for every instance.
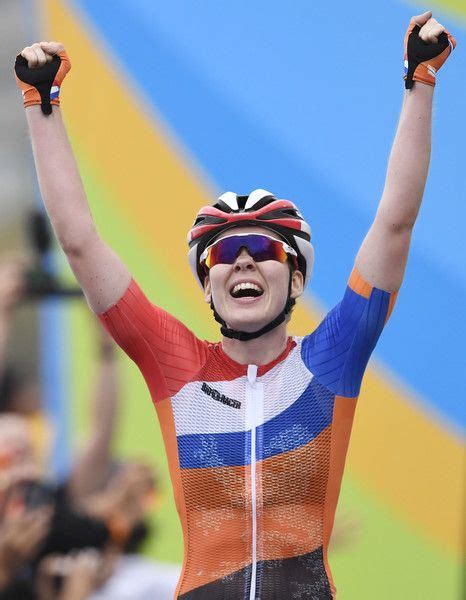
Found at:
(255, 427)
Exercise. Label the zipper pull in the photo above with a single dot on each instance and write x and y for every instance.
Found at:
(252, 374)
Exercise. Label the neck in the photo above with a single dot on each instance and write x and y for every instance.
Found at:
(259, 351)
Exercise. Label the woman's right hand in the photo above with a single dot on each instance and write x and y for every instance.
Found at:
(41, 53)
(40, 70)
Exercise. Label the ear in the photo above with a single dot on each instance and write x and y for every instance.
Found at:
(297, 284)
(207, 290)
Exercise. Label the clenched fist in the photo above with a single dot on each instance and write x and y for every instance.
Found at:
(427, 46)
(40, 70)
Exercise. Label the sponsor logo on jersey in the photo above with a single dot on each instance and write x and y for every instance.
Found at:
(54, 92)
(216, 395)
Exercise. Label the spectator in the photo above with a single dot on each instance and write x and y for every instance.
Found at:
(11, 288)
(18, 549)
(93, 466)
(102, 501)
(19, 393)
(22, 494)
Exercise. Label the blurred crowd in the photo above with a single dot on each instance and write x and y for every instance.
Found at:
(78, 538)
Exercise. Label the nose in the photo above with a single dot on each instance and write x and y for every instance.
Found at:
(244, 262)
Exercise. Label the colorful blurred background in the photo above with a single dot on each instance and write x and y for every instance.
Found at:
(169, 104)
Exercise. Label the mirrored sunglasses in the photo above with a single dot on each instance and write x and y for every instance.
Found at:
(260, 247)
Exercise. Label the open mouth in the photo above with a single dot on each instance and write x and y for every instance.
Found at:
(246, 290)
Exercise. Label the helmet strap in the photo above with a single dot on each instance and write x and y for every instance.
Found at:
(245, 336)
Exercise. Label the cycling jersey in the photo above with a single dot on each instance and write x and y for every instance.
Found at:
(256, 453)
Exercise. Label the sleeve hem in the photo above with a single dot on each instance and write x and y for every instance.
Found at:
(359, 285)
(129, 290)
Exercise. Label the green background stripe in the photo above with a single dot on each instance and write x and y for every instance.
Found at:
(456, 7)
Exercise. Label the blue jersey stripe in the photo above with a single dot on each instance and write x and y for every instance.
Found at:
(299, 423)
(296, 426)
(206, 450)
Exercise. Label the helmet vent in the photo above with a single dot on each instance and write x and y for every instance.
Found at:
(208, 220)
(281, 213)
(242, 202)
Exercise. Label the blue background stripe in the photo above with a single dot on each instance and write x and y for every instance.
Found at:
(327, 150)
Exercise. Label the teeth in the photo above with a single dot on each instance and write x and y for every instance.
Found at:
(245, 286)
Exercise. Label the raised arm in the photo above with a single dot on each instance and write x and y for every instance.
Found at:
(166, 351)
(11, 287)
(101, 274)
(92, 467)
(382, 257)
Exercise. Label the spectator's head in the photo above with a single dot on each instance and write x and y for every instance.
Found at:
(16, 448)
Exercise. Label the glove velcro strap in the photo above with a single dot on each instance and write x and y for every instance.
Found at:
(426, 72)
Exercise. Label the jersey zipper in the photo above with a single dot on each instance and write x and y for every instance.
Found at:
(254, 397)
